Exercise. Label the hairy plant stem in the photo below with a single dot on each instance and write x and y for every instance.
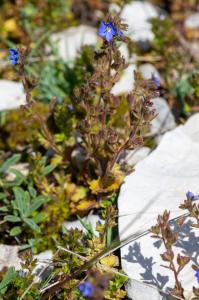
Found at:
(174, 270)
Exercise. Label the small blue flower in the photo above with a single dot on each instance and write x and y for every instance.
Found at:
(86, 289)
(197, 275)
(156, 80)
(14, 56)
(108, 31)
(191, 196)
(70, 107)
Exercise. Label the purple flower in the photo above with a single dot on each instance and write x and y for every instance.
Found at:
(191, 196)
(156, 80)
(86, 289)
(70, 107)
(108, 31)
(14, 56)
(197, 275)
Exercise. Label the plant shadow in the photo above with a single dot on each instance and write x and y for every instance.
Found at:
(187, 244)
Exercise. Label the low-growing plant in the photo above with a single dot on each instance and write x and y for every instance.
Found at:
(24, 210)
(73, 144)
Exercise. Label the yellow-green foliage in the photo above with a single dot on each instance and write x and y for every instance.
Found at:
(19, 129)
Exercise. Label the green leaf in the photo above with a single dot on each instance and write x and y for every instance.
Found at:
(26, 204)
(20, 200)
(31, 243)
(39, 42)
(10, 161)
(88, 227)
(31, 223)
(40, 217)
(15, 231)
(37, 202)
(32, 191)
(48, 170)
(3, 208)
(184, 88)
(11, 218)
(2, 196)
(7, 279)
(109, 237)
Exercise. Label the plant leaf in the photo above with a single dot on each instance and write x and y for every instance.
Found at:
(3, 208)
(7, 279)
(10, 161)
(15, 231)
(31, 223)
(20, 201)
(37, 202)
(47, 170)
(11, 218)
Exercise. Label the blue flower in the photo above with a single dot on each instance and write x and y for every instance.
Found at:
(156, 80)
(191, 196)
(86, 289)
(197, 275)
(108, 31)
(14, 56)
(70, 107)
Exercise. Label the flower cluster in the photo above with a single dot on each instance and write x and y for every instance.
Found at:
(14, 56)
(86, 289)
(191, 196)
(108, 31)
(197, 275)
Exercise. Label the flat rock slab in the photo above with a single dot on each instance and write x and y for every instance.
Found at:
(160, 182)
(11, 95)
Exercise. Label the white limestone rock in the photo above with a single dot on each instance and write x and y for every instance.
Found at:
(160, 182)
(11, 95)
(137, 15)
(70, 41)
(192, 22)
(9, 257)
(138, 291)
(147, 70)
(126, 82)
(164, 120)
(132, 157)
(124, 51)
